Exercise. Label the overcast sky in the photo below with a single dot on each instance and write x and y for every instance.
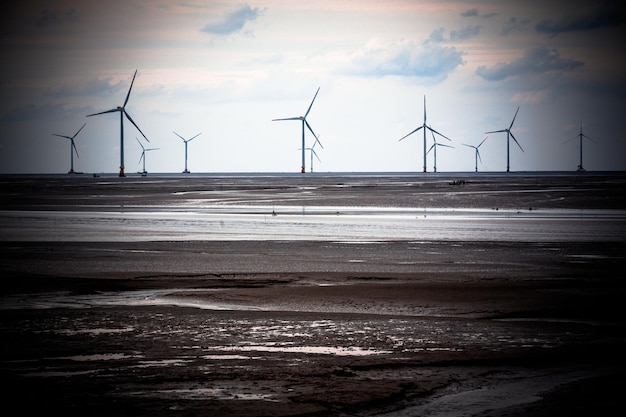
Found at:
(226, 69)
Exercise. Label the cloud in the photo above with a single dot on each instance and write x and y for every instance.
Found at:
(536, 60)
(233, 21)
(464, 33)
(405, 58)
(514, 24)
(474, 13)
(595, 17)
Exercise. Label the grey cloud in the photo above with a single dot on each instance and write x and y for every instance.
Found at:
(535, 61)
(595, 17)
(474, 13)
(514, 24)
(464, 33)
(234, 21)
(470, 13)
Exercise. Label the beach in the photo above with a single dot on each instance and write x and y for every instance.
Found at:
(313, 295)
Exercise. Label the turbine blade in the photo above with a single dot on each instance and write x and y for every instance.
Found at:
(194, 137)
(75, 150)
(315, 153)
(411, 133)
(143, 155)
(433, 130)
(289, 118)
(140, 144)
(513, 121)
(431, 148)
(61, 136)
(498, 131)
(311, 130)
(311, 105)
(179, 136)
(479, 158)
(520, 146)
(131, 87)
(482, 142)
(469, 146)
(76, 134)
(585, 136)
(443, 144)
(104, 112)
(135, 124)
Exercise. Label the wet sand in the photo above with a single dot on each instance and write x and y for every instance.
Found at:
(314, 328)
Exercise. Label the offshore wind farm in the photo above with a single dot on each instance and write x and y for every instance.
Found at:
(453, 273)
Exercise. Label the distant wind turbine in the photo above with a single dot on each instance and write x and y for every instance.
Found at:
(509, 135)
(581, 135)
(424, 126)
(313, 153)
(304, 122)
(477, 153)
(72, 147)
(123, 112)
(186, 171)
(434, 149)
(143, 157)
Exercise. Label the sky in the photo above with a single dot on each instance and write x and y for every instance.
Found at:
(225, 70)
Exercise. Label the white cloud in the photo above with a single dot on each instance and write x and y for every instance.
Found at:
(233, 21)
(428, 60)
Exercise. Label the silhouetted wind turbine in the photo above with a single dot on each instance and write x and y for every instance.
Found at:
(186, 171)
(72, 147)
(424, 126)
(123, 112)
(509, 135)
(477, 153)
(581, 135)
(434, 149)
(304, 122)
(143, 156)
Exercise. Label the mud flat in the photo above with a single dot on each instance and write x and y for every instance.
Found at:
(425, 324)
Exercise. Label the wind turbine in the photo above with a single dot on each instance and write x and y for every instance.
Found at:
(424, 126)
(304, 122)
(434, 149)
(123, 112)
(186, 171)
(509, 135)
(312, 150)
(477, 153)
(143, 156)
(581, 135)
(73, 147)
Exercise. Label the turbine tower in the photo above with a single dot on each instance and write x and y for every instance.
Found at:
(186, 171)
(581, 135)
(509, 135)
(73, 147)
(434, 149)
(304, 122)
(424, 126)
(123, 112)
(477, 153)
(143, 157)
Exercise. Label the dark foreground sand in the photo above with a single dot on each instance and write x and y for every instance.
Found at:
(281, 328)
